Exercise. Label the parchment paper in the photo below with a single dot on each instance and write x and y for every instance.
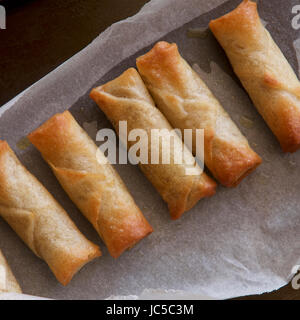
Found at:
(241, 241)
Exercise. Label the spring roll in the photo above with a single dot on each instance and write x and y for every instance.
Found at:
(92, 183)
(263, 70)
(187, 103)
(126, 99)
(40, 221)
(8, 282)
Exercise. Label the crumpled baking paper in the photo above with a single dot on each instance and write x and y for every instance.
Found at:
(241, 241)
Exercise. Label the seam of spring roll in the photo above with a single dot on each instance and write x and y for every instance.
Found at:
(114, 97)
(29, 212)
(82, 174)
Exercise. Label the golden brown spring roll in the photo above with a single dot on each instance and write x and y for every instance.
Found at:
(187, 103)
(126, 98)
(8, 282)
(263, 70)
(95, 187)
(40, 221)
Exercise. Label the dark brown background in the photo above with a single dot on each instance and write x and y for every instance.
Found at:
(42, 34)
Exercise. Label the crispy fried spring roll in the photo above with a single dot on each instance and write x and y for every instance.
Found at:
(187, 103)
(8, 282)
(40, 221)
(95, 187)
(126, 98)
(263, 70)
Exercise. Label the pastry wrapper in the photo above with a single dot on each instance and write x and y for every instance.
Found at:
(263, 70)
(8, 282)
(91, 182)
(40, 221)
(127, 99)
(188, 103)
